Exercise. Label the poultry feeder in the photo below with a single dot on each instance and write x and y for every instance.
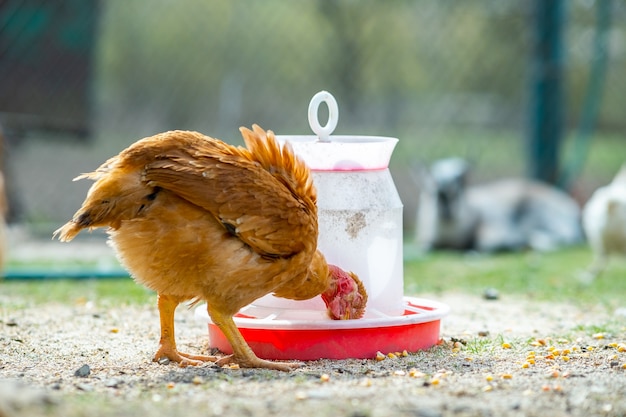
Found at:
(360, 230)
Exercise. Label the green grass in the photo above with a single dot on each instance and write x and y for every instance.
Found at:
(552, 276)
(106, 292)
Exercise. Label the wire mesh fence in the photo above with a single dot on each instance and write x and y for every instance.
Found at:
(445, 77)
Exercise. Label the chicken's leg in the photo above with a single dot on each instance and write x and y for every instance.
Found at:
(167, 345)
(242, 354)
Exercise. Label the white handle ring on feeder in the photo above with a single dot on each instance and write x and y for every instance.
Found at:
(323, 133)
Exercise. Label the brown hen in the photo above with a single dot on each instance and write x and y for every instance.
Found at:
(194, 218)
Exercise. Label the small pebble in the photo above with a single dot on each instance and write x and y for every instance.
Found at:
(491, 294)
(83, 371)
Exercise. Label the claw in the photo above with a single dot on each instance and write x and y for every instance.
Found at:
(258, 363)
(182, 359)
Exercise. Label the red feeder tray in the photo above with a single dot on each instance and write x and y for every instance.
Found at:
(274, 335)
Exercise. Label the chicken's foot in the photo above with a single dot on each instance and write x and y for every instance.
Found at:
(167, 344)
(242, 354)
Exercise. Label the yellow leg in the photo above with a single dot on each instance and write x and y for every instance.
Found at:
(242, 354)
(167, 345)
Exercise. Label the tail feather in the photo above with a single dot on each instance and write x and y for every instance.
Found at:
(279, 161)
(67, 232)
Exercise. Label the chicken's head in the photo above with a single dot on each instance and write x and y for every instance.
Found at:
(345, 297)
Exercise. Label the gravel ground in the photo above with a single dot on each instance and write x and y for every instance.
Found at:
(84, 359)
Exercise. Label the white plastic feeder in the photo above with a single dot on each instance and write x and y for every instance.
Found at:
(360, 230)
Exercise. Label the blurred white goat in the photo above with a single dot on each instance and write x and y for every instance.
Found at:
(604, 222)
(508, 214)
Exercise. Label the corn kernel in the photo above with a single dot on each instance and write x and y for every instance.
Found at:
(551, 349)
(434, 381)
(507, 376)
(391, 355)
(624, 366)
(613, 345)
(525, 365)
(414, 373)
(399, 373)
(115, 330)
(380, 356)
(621, 347)
(489, 378)
(196, 380)
(170, 385)
(325, 378)
(531, 361)
(554, 374)
(598, 336)
(487, 388)
(404, 353)
(506, 345)
(565, 358)
(566, 352)
(545, 388)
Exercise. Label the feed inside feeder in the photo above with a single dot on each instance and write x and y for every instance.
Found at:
(360, 230)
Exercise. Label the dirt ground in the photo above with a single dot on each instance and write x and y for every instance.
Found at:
(577, 368)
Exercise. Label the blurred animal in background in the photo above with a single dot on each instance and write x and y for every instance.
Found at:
(194, 218)
(604, 222)
(504, 215)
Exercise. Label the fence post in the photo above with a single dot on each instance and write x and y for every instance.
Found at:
(545, 128)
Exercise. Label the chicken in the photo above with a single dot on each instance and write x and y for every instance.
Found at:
(604, 222)
(194, 218)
